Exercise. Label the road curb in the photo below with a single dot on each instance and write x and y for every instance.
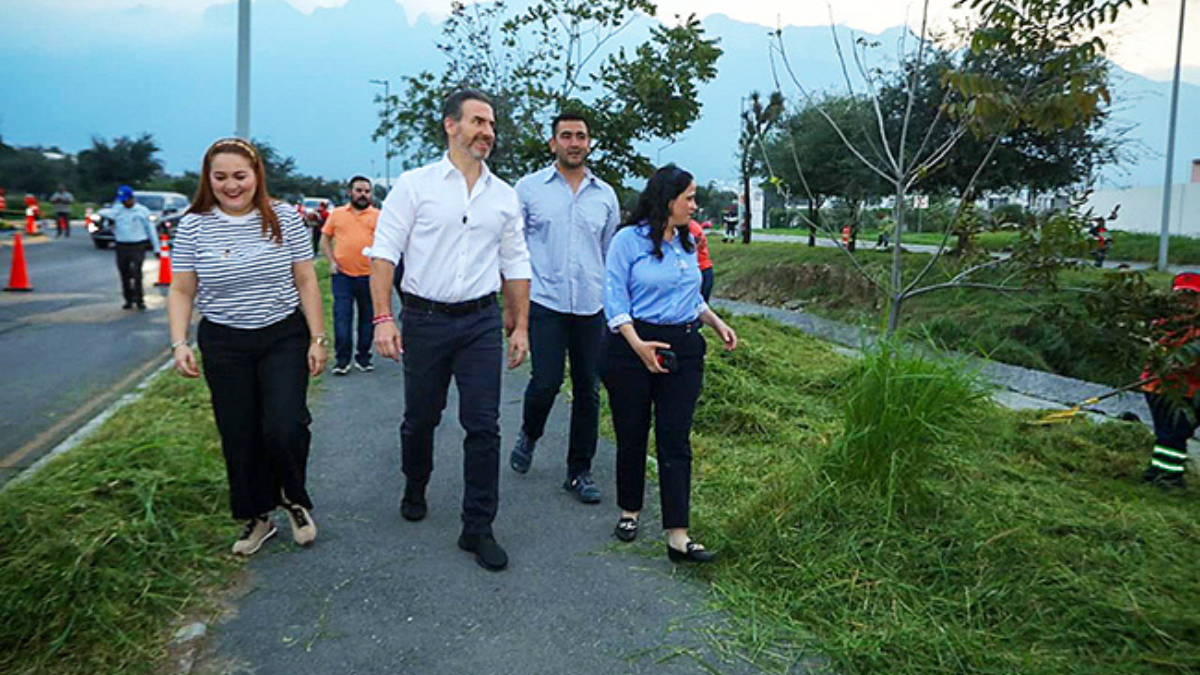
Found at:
(82, 433)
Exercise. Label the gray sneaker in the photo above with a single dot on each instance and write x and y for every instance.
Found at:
(522, 454)
(584, 488)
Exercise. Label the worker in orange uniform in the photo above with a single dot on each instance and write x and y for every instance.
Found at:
(1172, 395)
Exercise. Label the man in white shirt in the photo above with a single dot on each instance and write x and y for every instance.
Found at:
(459, 230)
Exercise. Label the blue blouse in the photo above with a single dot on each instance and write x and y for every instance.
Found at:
(639, 286)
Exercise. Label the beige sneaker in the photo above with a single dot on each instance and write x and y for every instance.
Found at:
(257, 531)
(304, 530)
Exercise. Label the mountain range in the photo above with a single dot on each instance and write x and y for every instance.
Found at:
(172, 73)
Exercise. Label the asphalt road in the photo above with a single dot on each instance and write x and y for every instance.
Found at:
(67, 349)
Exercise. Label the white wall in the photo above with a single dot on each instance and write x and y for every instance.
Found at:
(1141, 208)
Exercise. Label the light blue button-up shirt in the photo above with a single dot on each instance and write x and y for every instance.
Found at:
(131, 224)
(568, 234)
(639, 286)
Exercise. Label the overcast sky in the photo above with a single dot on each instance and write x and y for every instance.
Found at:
(1145, 43)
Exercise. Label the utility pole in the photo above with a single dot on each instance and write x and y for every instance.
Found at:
(1165, 231)
(243, 71)
(387, 140)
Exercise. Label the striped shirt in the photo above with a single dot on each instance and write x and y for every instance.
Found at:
(244, 280)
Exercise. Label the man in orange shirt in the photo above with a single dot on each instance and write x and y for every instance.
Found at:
(348, 230)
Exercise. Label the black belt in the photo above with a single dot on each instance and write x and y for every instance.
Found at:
(689, 327)
(451, 308)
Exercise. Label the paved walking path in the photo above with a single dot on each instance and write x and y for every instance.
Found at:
(378, 595)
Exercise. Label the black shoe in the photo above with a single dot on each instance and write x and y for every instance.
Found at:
(1164, 479)
(626, 529)
(363, 366)
(341, 368)
(522, 454)
(141, 306)
(488, 553)
(413, 506)
(127, 305)
(695, 554)
(584, 488)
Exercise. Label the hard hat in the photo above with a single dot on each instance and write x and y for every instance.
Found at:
(1186, 281)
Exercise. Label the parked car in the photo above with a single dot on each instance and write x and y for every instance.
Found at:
(166, 208)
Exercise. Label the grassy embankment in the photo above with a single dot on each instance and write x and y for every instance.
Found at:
(881, 516)
(1046, 331)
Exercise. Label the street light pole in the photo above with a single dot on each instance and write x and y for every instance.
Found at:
(1165, 231)
(387, 140)
(243, 71)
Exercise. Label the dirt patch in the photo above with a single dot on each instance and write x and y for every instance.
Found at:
(786, 285)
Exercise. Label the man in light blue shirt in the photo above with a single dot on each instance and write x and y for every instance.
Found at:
(570, 217)
(134, 234)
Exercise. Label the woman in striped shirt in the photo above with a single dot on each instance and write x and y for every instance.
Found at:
(245, 262)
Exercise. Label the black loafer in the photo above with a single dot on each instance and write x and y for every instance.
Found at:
(695, 554)
(488, 553)
(626, 529)
(413, 506)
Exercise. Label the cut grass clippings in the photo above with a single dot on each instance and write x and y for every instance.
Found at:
(1038, 550)
(109, 543)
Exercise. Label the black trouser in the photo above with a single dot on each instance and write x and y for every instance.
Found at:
(634, 394)
(351, 294)
(470, 348)
(553, 337)
(129, 263)
(706, 283)
(259, 382)
(63, 220)
(1174, 424)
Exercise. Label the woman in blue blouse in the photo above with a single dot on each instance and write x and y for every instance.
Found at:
(654, 362)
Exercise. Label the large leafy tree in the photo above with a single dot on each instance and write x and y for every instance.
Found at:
(128, 161)
(559, 55)
(810, 158)
(35, 170)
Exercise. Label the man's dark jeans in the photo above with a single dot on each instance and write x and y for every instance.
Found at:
(351, 294)
(470, 348)
(554, 337)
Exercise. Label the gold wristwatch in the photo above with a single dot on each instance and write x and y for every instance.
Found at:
(320, 339)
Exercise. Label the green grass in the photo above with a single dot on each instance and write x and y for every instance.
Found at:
(1046, 331)
(1036, 551)
(1125, 247)
(106, 545)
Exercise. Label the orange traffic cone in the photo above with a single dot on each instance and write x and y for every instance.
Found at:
(31, 220)
(164, 262)
(846, 236)
(18, 277)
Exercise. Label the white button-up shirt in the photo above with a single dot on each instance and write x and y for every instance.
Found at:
(456, 243)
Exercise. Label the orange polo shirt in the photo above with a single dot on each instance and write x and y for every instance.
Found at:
(351, 231)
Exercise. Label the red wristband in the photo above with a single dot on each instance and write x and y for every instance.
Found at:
(382, 318)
